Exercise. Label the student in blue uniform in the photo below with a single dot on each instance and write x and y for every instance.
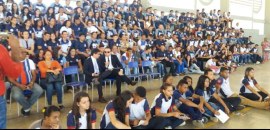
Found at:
(249, 86)
(82, 48)
(82, 115)
(206, 93)
(183, 100)
(13, 27)
(188, 79)
(116, 113)
(164, 106)
(140, 112)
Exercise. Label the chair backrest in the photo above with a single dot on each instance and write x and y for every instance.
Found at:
(146, 63)
(72, 70)
(134, 64)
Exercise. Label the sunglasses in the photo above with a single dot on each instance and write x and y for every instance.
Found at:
(107, 52)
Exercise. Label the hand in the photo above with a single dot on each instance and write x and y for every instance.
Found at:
(176, 114)
(23, 87)
(201, 109)
(80, 70)
(56, 72)
(107, 64)
(227, 110)
(216, 112)
(30, 86)
(136, 122)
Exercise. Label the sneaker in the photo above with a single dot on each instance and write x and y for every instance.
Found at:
(184, 123)
(61, 107)
(204, 120)
(168, 127)
(25, 114)
(198, 123)
(133, 83)
(214, 119)
(102, 100)
(8, 101)
(240, 107)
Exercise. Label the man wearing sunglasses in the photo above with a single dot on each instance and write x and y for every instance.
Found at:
(113, 69)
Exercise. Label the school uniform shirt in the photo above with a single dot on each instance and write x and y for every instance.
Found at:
(105, 120)
(124, 57)
(142, 44)
(51, 30)
(176, 53)
(146, 56)
(41, 7)
(65, 45)
(13, 30)
(110, 32)
(26, 44)
(243, 50)
(169, 54)
(42, 43)
(39, 32)
(53, 44)
(63, 17)
(206, 95)
(225, 90)
(94, 43)
(92, 29)
(71, 123)
(136, 33)
(68, 30)
(78, 29)
(210, 63)
(177, 95)
(161, 54)
(246, 82)
(73, 61)
(56, 7)
(161, 103)
(30, 30)
(81, 46)
(138, 110)
(105, 42)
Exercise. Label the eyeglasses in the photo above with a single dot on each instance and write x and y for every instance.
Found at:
(107, 52)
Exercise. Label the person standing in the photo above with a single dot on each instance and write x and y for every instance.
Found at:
(10, 66)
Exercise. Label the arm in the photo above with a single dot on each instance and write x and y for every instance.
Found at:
(11, 80)
(262, 89)
(116, 123)
(221, 102)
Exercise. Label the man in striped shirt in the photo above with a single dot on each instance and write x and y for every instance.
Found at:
(26, 82)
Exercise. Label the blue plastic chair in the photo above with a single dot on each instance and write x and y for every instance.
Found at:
(135, 65)
(149, 64)
(111, 82)
(73, 70)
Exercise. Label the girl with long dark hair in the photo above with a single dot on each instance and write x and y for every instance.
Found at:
(116, 113)
(249, 86)
(82, 116)
(206, 93)
(49, 15)
(188, 79)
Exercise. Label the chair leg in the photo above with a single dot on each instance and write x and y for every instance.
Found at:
(105, 87)
(37, 106)
(73, 92)
(92, 91)
(111, 88)
(18, 109)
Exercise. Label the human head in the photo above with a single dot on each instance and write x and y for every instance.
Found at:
(203, 83)
(249, 72)
(224, 72)
(167, 90)
(95, 53)
(188, 79)
(140, 92)
(48, 55)
(52, 115)
(209, 73)
(122, 102)
(182, 86)
(107, 52)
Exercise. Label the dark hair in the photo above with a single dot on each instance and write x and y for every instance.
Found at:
(201, 82)
(49, 110)
(76, 110)
(164, 87)
(166, 77)
(224, 69)
(207, 71)
(119, 104)
(12, 10)
(182, 82)
(50, 15)
(247, 71)
(94, 51)
(186, 78)
(141, 91)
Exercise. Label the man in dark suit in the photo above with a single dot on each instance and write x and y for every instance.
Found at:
(112, 68)
(92, 71)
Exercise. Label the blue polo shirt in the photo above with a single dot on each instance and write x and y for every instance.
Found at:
(53, 44)
(42, 43)
(177, 95)
(73, 61)
(78, 29)
(207, 95)
(81, 46)
(13, 30)
(161, 54)
(94, 43)
(105, 120)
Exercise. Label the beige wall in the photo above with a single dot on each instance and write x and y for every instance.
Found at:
(267, 19)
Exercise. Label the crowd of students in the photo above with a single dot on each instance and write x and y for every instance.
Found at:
(102, 38)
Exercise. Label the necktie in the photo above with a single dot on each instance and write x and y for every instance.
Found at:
(96, 67)
(27, 47)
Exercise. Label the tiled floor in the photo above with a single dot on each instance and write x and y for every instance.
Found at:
(250, 117)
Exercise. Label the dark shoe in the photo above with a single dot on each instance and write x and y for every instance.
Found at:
(102, 100)
(61, 107)
(25, 114)
(174, 74)
(133, 83)
(240, 107)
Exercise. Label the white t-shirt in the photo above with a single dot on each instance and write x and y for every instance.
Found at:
(242, 50)
(83, 121)
(63, 17)
(64, 28)
(64, 47)
(92, 29)
(209, 63)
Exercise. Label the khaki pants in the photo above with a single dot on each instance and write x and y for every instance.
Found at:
(255, 104)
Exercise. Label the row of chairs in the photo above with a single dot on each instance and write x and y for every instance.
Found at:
(73, 70)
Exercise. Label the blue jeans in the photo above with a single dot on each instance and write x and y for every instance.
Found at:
(17, 94)
(50, 89)
(243, 58)
(193, 112)
(236, 58)
(179, 67)
(160, 68)
(207, 112)
(3, 111)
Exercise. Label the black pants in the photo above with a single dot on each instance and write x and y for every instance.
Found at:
(154, 123)
(253, 96)
(168, 64)
(119, 79)
(231, 103)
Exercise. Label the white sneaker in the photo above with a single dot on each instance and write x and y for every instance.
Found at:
(258, 62)
(198, 123)
(168, 127)
(214, 119)
(184, 123)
